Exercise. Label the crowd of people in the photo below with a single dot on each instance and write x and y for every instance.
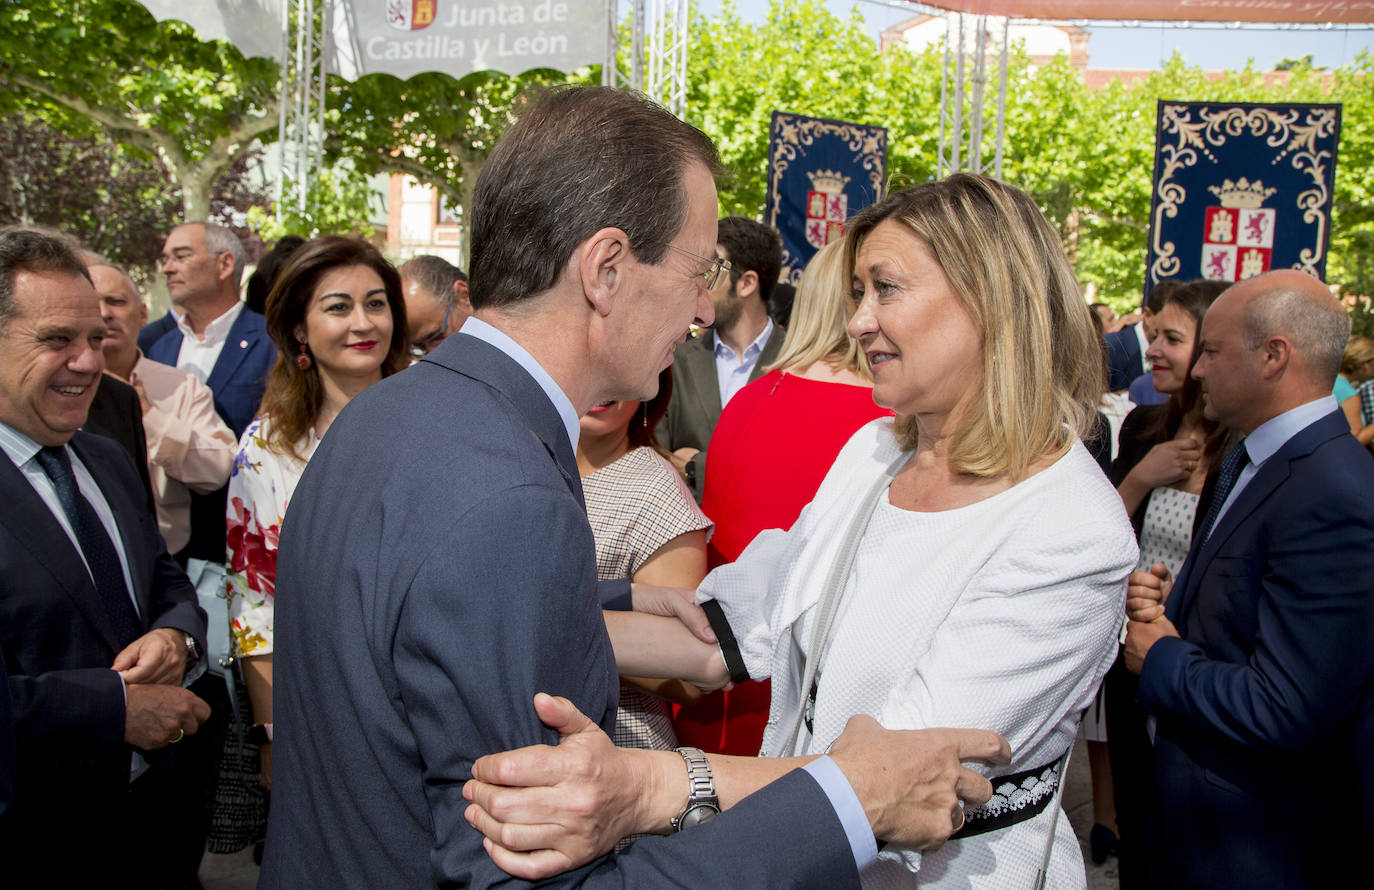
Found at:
(411, 578)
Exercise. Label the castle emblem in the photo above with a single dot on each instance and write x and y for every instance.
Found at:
(1238, 233)
(827, 207)
(411, 15)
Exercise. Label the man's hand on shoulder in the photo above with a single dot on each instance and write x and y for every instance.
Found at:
(159, 715)
(546, 810)
(159, 656)
(910, 782)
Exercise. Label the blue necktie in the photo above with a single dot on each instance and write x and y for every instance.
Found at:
(95, 543)
(1231, 465)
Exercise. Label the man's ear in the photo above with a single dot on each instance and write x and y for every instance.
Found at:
(747, 285)
(224, 265)
(603, 263)
(460, 293)
(1275, 355)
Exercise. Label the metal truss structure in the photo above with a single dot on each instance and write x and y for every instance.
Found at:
(963, 86)
(300, 131)
(661, 71)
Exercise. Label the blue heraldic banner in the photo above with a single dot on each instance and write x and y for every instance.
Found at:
(1240, 189)
(820, 173)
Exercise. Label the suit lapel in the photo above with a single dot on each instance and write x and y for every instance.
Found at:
(243, 335)
(126, 510)
(27, 517)
(481, 361)
(167, 348)
(770, 351)
(1274, 473)
(704, 386)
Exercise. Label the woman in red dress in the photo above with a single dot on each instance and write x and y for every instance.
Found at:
(773, 445)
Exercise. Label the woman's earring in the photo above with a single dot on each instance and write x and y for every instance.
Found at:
(645, 408)
(303, 360)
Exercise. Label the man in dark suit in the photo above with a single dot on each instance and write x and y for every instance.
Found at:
(710, 369)
(219, 340)
(98, 625)
(1126, 346)
(1260, 668)
(151, 332)
(415, 622)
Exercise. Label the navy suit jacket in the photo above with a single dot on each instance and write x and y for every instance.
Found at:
(240, 374)
(436, 570)
(58, 644)
(151, 332)
(237, 381)
(1262, 757)
(1123, 357)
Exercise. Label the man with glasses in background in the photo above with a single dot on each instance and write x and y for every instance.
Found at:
(436, 298)
(710, 369)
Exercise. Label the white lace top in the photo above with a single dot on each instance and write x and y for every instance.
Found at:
(1000, 615)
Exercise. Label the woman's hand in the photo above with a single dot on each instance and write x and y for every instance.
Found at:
(1168, 463)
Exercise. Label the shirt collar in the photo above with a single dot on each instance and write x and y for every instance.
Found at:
(475, 327)
(723, 351)
(217, 330)
(1275, 432)
(18, 446)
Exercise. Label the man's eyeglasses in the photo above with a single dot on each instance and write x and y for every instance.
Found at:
(422, 348)
(713, 272)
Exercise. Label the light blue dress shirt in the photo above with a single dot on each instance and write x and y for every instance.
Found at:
(475, 327)
(732, 372)
(1272, 435)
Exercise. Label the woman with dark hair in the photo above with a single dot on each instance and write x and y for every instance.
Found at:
(336, 315)
(1164, 467)
(648, 528)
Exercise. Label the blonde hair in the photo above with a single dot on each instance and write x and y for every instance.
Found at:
(1358, 362)
(819, 327)
(1042, 372)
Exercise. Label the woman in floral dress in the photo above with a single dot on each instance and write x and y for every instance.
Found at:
(337, 318)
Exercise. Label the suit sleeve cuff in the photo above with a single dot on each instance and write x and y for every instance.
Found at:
(615, 595)
(847, 807)
(1161, 674)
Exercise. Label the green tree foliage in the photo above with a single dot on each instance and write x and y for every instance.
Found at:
(114, 198)
(803, 59)
(430, 127)
(1086, 155)
(198, 105)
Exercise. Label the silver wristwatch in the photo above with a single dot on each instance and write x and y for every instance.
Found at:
(702, 803)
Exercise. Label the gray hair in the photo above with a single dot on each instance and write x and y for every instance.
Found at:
(1316, 325)
(435, 275)
(218, 240)
(28, 250)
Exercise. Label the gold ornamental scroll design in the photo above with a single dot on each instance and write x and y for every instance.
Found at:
(792, 135)
(1279, 129)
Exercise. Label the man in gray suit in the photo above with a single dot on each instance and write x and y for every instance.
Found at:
(436, 569)
(710, 369)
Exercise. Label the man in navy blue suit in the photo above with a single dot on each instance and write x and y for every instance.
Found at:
(98, 625)
(416, 621)
(1260, 671)
(219, 340)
